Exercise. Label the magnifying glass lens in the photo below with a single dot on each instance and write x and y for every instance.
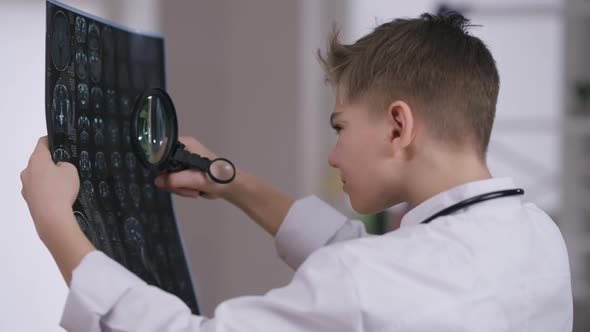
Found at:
(222, 170)
(153, 129)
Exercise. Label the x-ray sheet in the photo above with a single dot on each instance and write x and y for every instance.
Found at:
(95, 70)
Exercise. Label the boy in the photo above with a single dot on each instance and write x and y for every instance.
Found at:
(414, 108)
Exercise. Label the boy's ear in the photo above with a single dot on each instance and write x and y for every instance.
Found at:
(401, 125)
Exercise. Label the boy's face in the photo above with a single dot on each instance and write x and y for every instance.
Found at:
(362, 154)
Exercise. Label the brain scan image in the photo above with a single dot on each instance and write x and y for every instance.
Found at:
(101, 234)
(83, 129)
(83, 123)
(94, 72)
(135, 241)
(168, 233)
(98, 128)
(80, 31)
(61, 108)
(174, 255)
(111, 101)
(125, 105)
(99, 138)
(84, 165)
(104, 190)
(116, 244)
(88, 188)
(98, 124)
(93, 36)
(100, 164)
(160, 254)
(60, 41)
(120, 190)
(84, 137)
(148, 193)
(130, 161)
(95, 64)
(116, 160)
(127, 134)
(83, 95)
(105, 195)
(85, 225)
(114, 133)
(133, 236)
(61, 154)
(81, 63)
(96, 99)
(146, 173)
(135, 195)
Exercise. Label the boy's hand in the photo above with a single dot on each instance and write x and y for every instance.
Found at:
(50, 190)
(191, 182)
(265, 205)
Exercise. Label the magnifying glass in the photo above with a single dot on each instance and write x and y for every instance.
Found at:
(154, 135)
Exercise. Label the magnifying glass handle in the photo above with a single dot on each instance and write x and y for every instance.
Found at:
(185, 159)
(223, 171)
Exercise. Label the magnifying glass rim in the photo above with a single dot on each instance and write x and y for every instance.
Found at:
(171, 122)
(218, 180)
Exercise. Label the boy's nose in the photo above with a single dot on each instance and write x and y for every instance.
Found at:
(332, 159)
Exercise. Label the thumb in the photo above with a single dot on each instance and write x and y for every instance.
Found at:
(42, 146)
(67, 166)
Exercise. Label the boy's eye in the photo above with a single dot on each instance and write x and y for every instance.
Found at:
(337, 128)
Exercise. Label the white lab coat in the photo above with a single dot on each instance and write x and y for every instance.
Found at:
(499, 265)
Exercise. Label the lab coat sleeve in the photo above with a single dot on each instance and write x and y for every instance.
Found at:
(311, 224)
(104, 296)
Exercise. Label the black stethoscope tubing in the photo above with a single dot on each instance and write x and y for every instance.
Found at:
(474, 200)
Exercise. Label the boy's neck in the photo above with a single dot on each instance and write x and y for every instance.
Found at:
(442, 174)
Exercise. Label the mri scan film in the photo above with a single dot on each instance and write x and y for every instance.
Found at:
(94, 72)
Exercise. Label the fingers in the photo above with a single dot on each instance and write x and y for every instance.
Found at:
(40, 153)
(42, 146)
(194, 146)
(189, 179)
(190, 143)
(69, 167)
(187, 192)
(23, 180)
(173, 185)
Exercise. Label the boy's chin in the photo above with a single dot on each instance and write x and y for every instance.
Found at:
(369, 206)
(363, 207)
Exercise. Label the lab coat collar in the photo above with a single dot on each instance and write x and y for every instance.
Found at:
(452, 196)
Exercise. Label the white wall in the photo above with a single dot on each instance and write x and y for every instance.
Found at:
(32, 290)
(30, 282)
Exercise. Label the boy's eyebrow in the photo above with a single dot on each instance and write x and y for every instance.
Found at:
(334, 116)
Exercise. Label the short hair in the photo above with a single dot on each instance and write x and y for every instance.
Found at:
(433, 63)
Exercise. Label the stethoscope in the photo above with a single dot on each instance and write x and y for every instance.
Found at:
(474, 200)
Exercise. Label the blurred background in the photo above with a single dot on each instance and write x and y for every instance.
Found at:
(246, 82)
